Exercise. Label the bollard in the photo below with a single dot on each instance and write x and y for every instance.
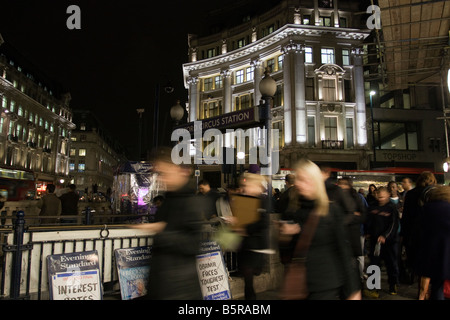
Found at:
(87, 214)
(19, 229)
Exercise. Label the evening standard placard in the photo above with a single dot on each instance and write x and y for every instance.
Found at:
(133, 267)
(74, 276)
(212, 272)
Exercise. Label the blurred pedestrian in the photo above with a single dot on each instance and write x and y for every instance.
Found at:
(287, 195)
(382, 225)
(255, 240)
(50, 205)
(410, 230)
(177, 234)
(69, 205)
(354, 222)
(434, 250)
(210, 197)
(395, 197)
(407, 185)
(330, 272)
(371, 197)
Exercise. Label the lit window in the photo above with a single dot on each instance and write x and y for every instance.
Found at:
(239, 76)
(345, 57)
(82, 152)
(73, 152)
(249, 74)
(81, 166)
(207, 84)
(327, 55)
(308, 54)
(218, 82)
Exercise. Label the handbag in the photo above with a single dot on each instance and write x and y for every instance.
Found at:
(295, 280)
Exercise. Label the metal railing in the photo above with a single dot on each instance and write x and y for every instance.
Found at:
(24, 251)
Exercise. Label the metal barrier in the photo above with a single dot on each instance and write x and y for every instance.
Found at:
(24, 251)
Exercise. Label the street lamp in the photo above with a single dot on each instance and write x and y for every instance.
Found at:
(140, 112)
(372, 93)
(177, 112)
(267, 88)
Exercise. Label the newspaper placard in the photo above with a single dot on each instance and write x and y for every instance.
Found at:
(212, 272)
(74, 276)
(133, 267)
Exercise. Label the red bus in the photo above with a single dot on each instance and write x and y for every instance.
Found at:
(17, 184)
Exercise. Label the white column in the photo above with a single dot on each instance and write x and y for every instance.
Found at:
(300, 103)
(193, 98)
(258, 71)
(358, 82)
(227, 97)
(294, 93)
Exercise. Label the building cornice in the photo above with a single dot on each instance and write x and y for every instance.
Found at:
(263, 45)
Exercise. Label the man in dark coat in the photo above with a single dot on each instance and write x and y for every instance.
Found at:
(177, 227)
(69, 204)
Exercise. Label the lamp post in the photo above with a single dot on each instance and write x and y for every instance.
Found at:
(177, 112)
(267, 88)
(372, 93)
(140, 112)
(445, 117)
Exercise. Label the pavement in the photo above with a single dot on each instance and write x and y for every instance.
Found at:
(404, 292)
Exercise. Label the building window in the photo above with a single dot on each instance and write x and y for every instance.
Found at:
(207, 84)
(326, 3)
(81, 166)
(330, 128)
(327, 55)
(311, 131)
(241, 43)
(83, 126)
(278, 97)
(243, 101)
(325, 21)
(82, 152)
(211, 109)
(73, 152)
(249, 74)
(329, 89)
(280, 62)
(349, 132)
(396, 135)
(218, 82)
(343, 22)
(308, 55)
(211, 53)
(309, 89)
(345, 57)
(72, 165)
(239, 76)
(306, 19)
(271, 65)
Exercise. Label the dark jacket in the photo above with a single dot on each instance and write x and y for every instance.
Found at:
(173, 272)
(434, 251)
(50, 205)
(69, 203)
(329, 258)
(383, 221)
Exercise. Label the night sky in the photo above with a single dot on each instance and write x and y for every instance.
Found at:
(124, 49)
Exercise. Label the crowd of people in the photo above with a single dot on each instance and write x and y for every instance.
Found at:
(412, 218)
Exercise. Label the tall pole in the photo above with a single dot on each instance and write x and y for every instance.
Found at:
(373, 129)
(140, 112)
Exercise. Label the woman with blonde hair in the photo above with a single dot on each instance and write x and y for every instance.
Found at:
(330, 272)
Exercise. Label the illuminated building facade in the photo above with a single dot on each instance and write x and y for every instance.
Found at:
(314, 51)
